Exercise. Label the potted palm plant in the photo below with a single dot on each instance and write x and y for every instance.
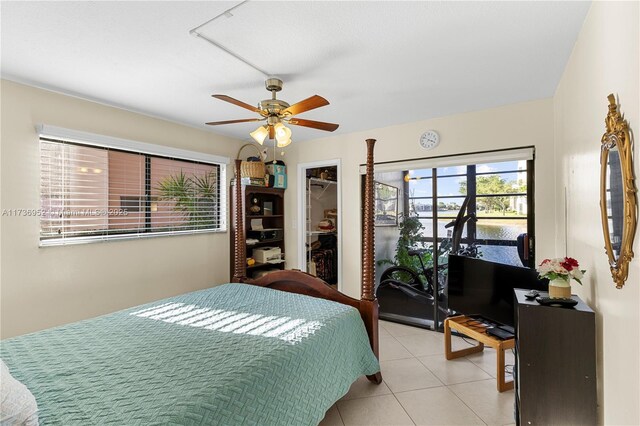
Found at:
(196, 196)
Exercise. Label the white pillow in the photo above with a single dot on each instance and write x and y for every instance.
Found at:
(17, 404)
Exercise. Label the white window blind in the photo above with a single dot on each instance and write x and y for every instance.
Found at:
(93, 193)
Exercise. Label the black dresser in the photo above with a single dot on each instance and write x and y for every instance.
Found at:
(555, 371)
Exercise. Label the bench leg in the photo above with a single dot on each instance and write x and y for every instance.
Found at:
(500, 375)
(451, 354)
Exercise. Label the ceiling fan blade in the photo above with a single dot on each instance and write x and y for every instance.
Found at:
(272, 132)
(237, 102)
(244, 120)
(308, 104)
(321, 125)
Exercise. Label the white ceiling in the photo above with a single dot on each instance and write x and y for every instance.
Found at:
(378, 63)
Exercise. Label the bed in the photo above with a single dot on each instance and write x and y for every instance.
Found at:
(277, 350)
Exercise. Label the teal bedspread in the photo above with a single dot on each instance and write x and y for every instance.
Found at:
(230, 355)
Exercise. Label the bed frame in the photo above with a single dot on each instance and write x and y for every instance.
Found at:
(296, 281)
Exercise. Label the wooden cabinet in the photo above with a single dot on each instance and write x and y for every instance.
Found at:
(263, 208)
(555, 363)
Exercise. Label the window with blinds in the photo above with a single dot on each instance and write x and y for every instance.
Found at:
(93, 193)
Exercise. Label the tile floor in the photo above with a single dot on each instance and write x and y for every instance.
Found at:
(421, 387)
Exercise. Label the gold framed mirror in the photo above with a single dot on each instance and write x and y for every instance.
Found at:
(618, 202)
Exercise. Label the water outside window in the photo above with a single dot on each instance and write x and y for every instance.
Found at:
(498, 196)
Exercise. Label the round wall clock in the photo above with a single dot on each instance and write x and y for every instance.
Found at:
(429, 139)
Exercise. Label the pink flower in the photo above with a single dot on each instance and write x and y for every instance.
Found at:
(559, 268)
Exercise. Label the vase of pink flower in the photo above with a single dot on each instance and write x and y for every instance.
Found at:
(560, 271)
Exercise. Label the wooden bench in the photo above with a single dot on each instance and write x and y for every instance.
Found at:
(477, 331)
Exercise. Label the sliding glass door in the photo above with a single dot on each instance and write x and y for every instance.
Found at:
(481, 209)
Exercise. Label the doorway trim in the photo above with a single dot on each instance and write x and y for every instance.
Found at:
(302, 211)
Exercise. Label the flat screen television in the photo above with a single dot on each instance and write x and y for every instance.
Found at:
(483, 288)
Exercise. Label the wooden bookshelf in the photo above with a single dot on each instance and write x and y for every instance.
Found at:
(275, 220)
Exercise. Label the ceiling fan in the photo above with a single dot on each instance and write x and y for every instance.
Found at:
(276, 112)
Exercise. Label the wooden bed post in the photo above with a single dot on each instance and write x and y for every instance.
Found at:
(368, 302)
(240, 255)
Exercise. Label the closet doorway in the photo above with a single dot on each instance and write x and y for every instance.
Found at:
(319, 223)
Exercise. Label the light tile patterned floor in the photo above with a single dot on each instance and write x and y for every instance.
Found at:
(422, 388)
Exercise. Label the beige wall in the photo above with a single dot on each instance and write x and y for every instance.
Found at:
(523, 124)
(44, 287)
(604, 60)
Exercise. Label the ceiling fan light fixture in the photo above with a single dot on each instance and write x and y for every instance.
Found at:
(260, 134)
(282, 144)
(283, 134)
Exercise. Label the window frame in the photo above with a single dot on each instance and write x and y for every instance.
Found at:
(470, 235)
(71, 137)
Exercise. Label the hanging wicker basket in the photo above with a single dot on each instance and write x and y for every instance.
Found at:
(251, 169)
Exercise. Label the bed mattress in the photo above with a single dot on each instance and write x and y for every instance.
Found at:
(230, 355)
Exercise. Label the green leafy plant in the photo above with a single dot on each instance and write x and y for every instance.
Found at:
(410, 229)
(196, 197)
(410, 237)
